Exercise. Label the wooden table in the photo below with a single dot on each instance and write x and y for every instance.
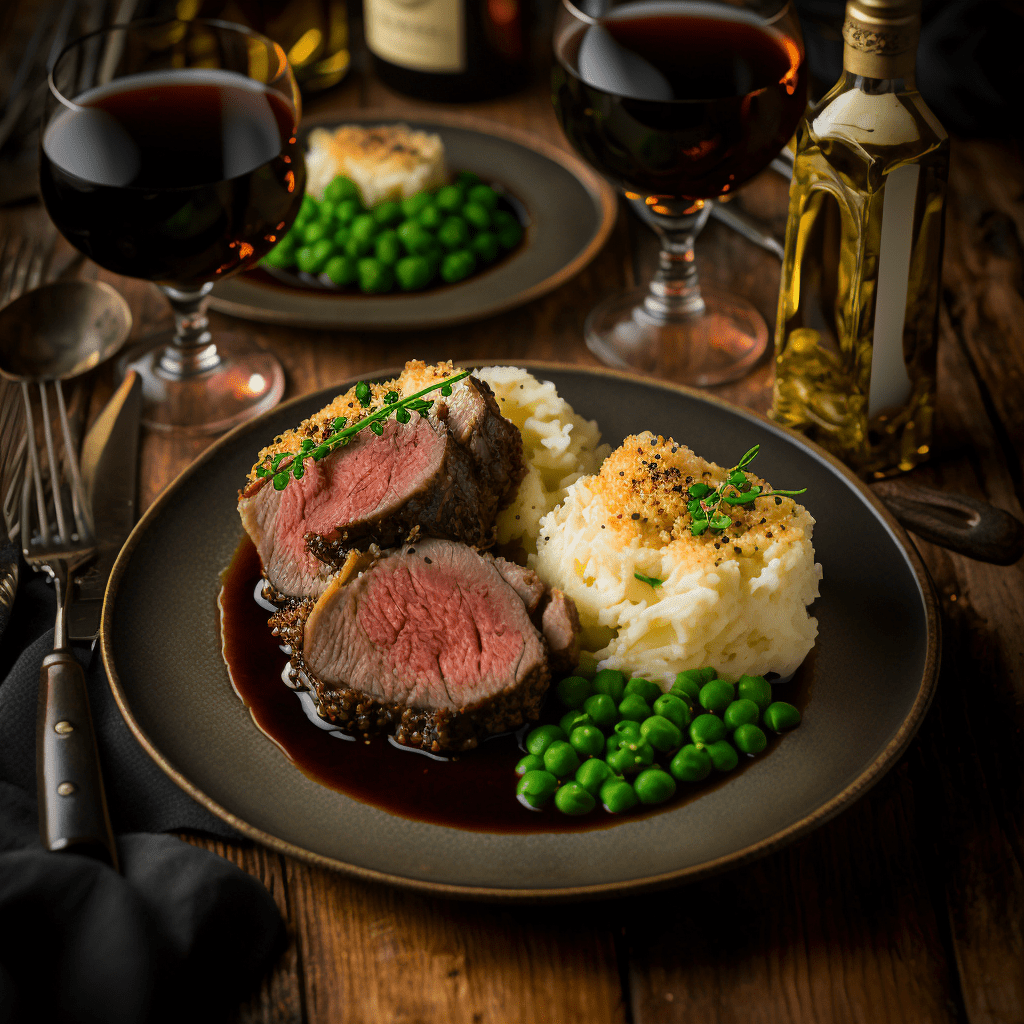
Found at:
(909, 905)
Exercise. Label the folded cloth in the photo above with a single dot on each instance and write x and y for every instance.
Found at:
(180, 934)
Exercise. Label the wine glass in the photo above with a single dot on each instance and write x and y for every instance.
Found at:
(678, 102)
(169, 153)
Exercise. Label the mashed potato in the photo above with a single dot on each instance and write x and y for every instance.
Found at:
(736, 600)
(559, 447)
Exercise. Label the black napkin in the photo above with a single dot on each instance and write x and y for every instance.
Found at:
(968, 60)
(180, 934)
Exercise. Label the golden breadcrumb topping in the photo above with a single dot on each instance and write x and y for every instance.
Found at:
(646, 482)
(386, 148)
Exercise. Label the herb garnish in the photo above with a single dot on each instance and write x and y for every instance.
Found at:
(706, 505)
(401, 407)
(650, 580)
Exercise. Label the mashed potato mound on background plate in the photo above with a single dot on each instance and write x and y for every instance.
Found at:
(559, 447)
(736, 600)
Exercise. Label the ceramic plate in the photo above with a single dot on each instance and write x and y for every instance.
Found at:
(569, 211)
(874, 668)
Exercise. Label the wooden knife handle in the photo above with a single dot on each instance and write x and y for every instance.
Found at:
(956, 521)
(72, 805)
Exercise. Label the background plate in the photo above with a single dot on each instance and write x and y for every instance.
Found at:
(875, 666)
(571, 210)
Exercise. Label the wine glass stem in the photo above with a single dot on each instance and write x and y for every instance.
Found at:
(192, 351)
(674, 292)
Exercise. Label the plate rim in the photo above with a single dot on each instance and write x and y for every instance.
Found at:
(855, 789)
(601, 192)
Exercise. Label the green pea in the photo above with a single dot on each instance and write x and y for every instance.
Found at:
(572, 798)
(308, 209)
(538, 740)
(602, 710)
(654, 786)
(587, 740)
(282, 255)
(781, 716)
(536, 788)
(312, 233)
(684, 687)
(675, 710)
(530, 763)
(749, 739)
(457, 265)
(485, 246)
(431, 217)
(449, 198)
(388, 214)
(707, 729)
(341, 188)
(691, 764)
(341, 270)
(509, 236)
(716, 695)
(699, 676)
(561, 759)
(573, 691)
(453, 234)
(467, 179)
(375, 277)
(326, 214)
(412, 273)
(572, 718)
(612, 682)
(357, 246)
(649, 691)
(741, 712)
(502, 219)
(364, 226)
(723, 755)
(618, 796)
(661, 734)
(387, 248)
(433, 254)
(415, 204)
(755, 688)
(477, 215)
(634, 707)
(347, 210)
(484, 195)
(629, 728)
(632, 755)
(313, 258)
(341, 236)
(593, 774)
(416, 238)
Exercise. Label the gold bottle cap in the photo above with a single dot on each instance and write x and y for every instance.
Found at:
(880, 37)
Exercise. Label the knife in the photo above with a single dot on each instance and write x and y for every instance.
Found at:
(109, 472)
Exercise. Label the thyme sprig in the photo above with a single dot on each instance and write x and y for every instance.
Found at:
(705, 504)
(281, 472)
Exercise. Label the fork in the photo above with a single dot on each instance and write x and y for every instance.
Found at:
(57, 537)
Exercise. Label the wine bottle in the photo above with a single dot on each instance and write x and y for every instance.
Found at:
(855, 340)
(448, 50)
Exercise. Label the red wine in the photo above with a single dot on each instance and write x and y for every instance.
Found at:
(676, 99)
(180, 177)
(449, 50)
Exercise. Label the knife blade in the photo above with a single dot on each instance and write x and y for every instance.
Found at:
(109, 473)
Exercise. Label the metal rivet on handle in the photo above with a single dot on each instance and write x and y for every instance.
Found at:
(66, 788)
(63, 728)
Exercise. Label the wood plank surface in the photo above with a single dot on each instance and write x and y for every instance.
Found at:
(909, 906)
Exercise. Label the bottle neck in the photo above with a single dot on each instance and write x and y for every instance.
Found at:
(900, 83)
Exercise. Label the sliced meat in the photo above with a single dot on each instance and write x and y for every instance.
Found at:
(447, 475)
(525, 582)
(431, 643)
(560, 624)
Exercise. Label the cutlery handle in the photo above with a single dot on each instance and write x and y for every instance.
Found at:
(958, 522)
(72, 805)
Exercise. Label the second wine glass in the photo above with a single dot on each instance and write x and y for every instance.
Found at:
(678, 102)
(169, 153)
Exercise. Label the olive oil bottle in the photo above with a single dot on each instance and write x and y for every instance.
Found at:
(855, 338)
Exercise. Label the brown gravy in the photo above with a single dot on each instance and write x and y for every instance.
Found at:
(474, 790)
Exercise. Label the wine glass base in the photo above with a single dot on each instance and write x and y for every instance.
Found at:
(246, 381)
(717, 347)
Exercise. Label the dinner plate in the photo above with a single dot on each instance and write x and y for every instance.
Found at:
(569, 211)
(874, 669)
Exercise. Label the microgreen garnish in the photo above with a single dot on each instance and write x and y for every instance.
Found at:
(652, 581)
(705, 505)
(401, 407)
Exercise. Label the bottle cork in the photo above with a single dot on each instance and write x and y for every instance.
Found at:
(880, 37)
